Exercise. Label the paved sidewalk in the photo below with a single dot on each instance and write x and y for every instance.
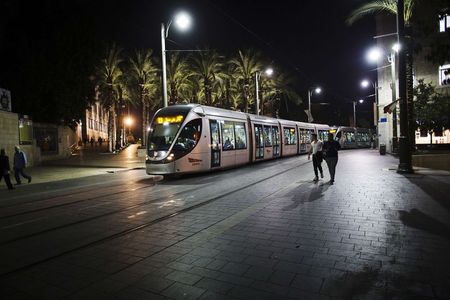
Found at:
(85, 163)
(374, 234)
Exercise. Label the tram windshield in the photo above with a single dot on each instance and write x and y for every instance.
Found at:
(163, 131)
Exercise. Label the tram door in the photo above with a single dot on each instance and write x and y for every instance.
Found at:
(276, 141)
(259, 142)
(215, 143)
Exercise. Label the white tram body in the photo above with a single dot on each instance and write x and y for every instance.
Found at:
(195, 138)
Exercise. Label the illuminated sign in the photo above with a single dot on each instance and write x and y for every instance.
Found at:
(332, 130)
(171, 119)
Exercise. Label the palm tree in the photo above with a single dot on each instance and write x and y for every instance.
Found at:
(390, 6)
(246, 64)
(109, 87)
(281, 86)
(144, 81)
(206, 68)
(178, 75)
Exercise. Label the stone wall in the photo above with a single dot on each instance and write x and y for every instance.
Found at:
(9, 132)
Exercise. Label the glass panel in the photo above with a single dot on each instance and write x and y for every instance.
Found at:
(228, 135)
(442, 24)
(276, 136)
(267, 136)
(241, 137)
(289, 136)
(215, 141)
(188, 138)
(161, 136)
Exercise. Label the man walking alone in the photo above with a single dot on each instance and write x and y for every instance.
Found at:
(20, 162)
(316, 151)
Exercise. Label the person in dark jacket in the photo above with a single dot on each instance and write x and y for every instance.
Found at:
(330, 149)
(5, 169)
(20, 162)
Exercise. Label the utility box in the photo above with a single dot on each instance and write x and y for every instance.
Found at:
(382, 149)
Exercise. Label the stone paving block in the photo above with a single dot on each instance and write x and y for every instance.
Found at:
(154, 283)
(237, 280)
(259, 273)
(282, 278)
(183, 277)
(235, 268)
(204, 272)
(307, 283)
(305, 295)
(208, 295)
(293, 267)
(242, 292)
(209, 284)
(132, 293)
(183, 291)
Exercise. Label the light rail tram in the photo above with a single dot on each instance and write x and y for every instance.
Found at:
(196, 138)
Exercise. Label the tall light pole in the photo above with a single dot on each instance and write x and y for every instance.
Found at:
(365, 83)
(316, 90)
(354, 111)
(268, 72)
(183, 22)
(374, 55)
(405, 161)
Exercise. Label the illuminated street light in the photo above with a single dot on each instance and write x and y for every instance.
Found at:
(128, 121)
(396, 47)
(365, 83)
(361, 100)
(317, 90)
(183, 23)
(374, 54)
(268, 72)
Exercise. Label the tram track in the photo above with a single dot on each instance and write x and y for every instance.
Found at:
(139, 227)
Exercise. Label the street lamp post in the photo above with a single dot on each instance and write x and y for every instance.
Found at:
(374, 55)
(269, 72)
(365, 83)
(405, 161)
(354, 111)
(183, 21)
(317, 90)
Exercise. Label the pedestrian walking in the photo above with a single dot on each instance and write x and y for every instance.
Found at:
(5, 169)
(92, 141)
(20, 163)
(316, 151)
(330, 150)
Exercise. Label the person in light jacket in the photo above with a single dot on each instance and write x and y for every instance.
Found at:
(20, 163)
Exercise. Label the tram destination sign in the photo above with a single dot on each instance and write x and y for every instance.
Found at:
(169, 119)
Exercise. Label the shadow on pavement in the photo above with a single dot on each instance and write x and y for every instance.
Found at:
(304, 193)
(439, 193)
(417, 219)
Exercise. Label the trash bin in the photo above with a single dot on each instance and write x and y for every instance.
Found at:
(382, 149)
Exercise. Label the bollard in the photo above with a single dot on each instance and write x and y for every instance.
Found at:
(382, 149)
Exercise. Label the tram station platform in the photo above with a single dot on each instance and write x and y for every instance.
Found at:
(374, 234)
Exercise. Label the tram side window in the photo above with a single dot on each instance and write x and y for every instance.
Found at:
(349, 137)
(289, 136)
(267, 136)
(189, 136)
(228, 135)
(241, 137)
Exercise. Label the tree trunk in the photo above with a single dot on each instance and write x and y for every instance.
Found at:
(118, 122)
(110, 129)
(410, 99)
(144, 120)
(431, 137)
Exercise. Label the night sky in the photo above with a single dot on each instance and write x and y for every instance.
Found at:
(308, 38)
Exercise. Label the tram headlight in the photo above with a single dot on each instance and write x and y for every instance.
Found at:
(170, 157)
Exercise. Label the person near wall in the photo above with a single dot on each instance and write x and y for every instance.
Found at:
(330, 149)
(20, 163)
(5, 169)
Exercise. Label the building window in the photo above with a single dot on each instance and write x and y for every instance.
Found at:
(444, 22)
(444, 75)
